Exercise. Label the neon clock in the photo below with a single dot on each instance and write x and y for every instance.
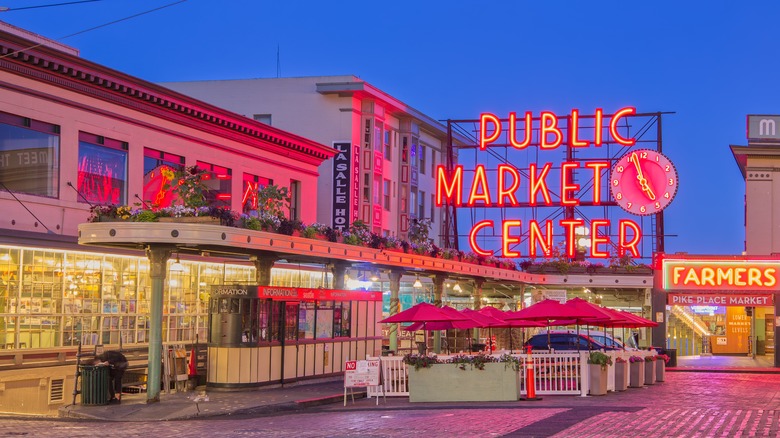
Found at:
(643, 182)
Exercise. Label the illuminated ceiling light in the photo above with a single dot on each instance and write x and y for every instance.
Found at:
(177, 266)
(457, 287)
(374, 277)
(417, 282)
(5, 257)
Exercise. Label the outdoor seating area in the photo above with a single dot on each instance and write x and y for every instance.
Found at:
(470, 375)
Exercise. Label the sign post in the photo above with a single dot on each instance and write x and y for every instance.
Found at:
(362, 374)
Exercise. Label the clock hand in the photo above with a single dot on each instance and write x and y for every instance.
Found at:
(642, 180)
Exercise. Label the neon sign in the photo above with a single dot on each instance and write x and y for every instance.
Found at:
(509, 189)
(716, 275)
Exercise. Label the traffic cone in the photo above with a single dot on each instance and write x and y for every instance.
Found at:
(193, 368)
(530, 383)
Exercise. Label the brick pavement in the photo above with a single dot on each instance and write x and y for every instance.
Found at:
(686, 405)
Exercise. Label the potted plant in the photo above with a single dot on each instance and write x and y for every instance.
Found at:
(660, 367)
(598, 363)
(650, 370)
(187, 185)
(621, 374)
(636, 372)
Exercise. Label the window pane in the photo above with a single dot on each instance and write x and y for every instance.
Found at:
(29, 161)
(154, 181)
(102, 174)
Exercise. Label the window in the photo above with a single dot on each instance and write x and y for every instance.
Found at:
(217, 179)
(386, 193)
(421, 209)
(413, 202)
(433, 207)
(366, 188)
(405, 150)
(422, 159)
(388, 145)
(102, 170)
(29, 156)
(295, 200)
(252, 183)
(306, 320)
(263, 118)
(377, 192)
(154, 182)
(433, 162)
(415, 155)
(378, 136)
(341, 319)
(404, 198)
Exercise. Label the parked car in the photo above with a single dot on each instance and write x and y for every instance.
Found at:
(567, 340)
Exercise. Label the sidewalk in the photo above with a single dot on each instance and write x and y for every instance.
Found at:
(202, 403)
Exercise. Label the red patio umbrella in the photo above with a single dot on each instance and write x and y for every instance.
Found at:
(458, 321)
(425, 314)
(498, 314)
(548, 311)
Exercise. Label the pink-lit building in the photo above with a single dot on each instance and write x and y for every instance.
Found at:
(74, 134)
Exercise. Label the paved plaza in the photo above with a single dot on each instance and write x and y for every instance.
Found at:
(686, 405)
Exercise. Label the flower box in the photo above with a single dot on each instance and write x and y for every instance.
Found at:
(598, 379)
(636, 375)
(660, 370)
(621, 376)
(206, 220)
(650, 372)
(448, 383)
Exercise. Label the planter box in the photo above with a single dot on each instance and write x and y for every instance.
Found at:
(598, 379)
(621, 376)
(650, 372)
(206, 220)
(447, 382)
(636, 375)
(660, 370)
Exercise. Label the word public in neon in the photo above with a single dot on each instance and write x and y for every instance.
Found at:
(509, 188)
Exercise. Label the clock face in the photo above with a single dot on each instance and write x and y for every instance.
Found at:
(643, 182)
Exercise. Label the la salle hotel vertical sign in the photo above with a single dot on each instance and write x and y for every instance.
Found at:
(346, 184)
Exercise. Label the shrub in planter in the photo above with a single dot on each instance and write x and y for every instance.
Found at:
(598, 372)
(650, 370)
(621, 374)
(636, 372)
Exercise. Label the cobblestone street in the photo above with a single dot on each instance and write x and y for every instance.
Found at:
(686, 405)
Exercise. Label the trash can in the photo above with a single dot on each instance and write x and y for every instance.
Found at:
(94, 385)
(672, 353)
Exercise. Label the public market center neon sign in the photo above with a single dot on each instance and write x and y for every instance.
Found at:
(450, 188)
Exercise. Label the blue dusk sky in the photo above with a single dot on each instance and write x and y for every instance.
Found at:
(711, 63)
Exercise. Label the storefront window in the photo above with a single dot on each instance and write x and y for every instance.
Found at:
(251, 184)
(324, 319)
(102, 170)
(29, 156)
(218, 180)
(154, 181)
(306, 321)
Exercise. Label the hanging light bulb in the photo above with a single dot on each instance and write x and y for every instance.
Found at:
(177, 266)
(457, 287)
(417, 282)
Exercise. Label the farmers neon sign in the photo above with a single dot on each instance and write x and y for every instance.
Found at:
(510, 190)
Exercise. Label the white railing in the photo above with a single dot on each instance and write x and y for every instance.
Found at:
(394, 378)
(559, 373)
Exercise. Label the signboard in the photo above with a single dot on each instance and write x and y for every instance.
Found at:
(720, 340)
(550, 184)
(342, 186)
(743, 300)
(733, 276)
(555, 294)
(361, 373)
(763, 128)
(293, 293)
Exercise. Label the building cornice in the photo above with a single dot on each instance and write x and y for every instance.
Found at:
(46, 65)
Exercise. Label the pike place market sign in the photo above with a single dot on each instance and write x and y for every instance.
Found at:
(720, 275)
